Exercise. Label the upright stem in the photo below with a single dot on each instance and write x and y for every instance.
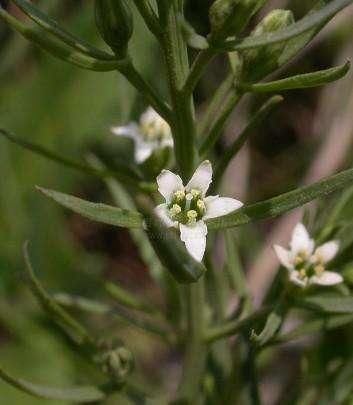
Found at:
(176, 56)
(195, 350)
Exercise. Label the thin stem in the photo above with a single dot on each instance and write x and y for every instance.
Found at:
(149, 17)
(176, 57)
(231, 151)
(197, 68)
(231, 328)
(133, 76)
(251, 374)
(195, 353)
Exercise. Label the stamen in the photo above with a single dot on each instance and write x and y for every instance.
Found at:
(195, 193)
(179, 195)
(319, 269)
(175, 210)
(192, 216)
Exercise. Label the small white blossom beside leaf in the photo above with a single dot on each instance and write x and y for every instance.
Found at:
(306, 264)
(187, 207)
(150, 134)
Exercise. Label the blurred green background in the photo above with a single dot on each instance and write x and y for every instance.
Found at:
(69, 111)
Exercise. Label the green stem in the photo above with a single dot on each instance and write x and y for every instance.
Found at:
(133, 76)
(233, 327)
(176, 57)
(251, 374)
(195, 351)
(197, 68)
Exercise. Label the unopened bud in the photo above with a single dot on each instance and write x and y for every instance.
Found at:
(229, 17)
(259, 62)
(115, 24)
(118, 363)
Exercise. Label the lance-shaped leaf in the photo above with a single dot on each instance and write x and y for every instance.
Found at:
(282, 203)
(328, 303)
(51, 26)
(305, 24)
(301, 81)
(272, 325)
(96, 211)
(82, 394)
(58, 48)
(73, 328)
(191, 37)
(124, 173)
(172, 253)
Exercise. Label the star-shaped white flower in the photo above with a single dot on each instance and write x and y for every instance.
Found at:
(306, 264)
(187, 207)
(150, 134)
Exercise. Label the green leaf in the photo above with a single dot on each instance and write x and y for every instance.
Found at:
(75, 394)
(125, 174)
(328, 303)
(272, 325)
(191, 37)
(58, 48)
(96, 211)
(172, 253)
(282, 203)
(305, 24)
(301, 81)
(52, 27)
(74, 329)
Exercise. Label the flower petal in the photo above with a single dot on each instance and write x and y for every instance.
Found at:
(217, 206)
(194, 237)
(294, 278)
(162, 212)
(167, 142)
(284, 256)
(143, 150)
(202, 178)
(301, 241)
(327, 251)
(129, 131)
(168, 183)
(327, 278)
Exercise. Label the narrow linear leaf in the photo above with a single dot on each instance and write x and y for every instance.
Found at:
(328, 303)
(125, 174)
(57, 313)
(282, 203)
(301, 81)
(96, 211)
(58, 48)
(191, 37)
(305, 24)
(52, 27)
(272, 325)
(75, 394)
(235, 147)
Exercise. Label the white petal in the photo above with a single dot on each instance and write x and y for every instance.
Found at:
(327, 251)
(129, 131)
(167, 142)
(284, 256)
(294, 278)
(194, 237)
(143, 150)
(162, 212)
(218, 206)
(301, 241)
(327, 278)
(168, 183)
(202, 178)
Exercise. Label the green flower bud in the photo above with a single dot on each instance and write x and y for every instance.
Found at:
(115, 24)
(259, 62)
(118, 363)
(229, 17)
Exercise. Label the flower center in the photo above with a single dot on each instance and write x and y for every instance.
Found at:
(187, 208)
(155, 130)
(307, 268)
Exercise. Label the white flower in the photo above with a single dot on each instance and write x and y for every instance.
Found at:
(150, 134)
(187, 208)
(306, 264)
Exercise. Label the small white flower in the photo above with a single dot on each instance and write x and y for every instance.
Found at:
(187, 208)
(151, 133)
(307, 266)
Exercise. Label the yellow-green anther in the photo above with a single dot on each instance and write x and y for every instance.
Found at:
(179, 195)
(189, 196)
(115, 24)
(175, 210)
(192, 216)
(319, 269)
(201, 205)
(195, 193)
